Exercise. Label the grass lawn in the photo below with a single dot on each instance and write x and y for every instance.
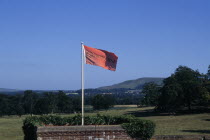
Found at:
(190, 124)
(10, 128)
(182, 125)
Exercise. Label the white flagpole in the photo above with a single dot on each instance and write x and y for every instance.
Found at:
(82, 84)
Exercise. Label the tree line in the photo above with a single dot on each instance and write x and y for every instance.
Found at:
(184, 89)
(34, 103)
(31, 102)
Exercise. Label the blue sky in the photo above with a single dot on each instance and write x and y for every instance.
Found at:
(40, 40)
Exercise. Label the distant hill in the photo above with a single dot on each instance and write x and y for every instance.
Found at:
(17, 91)
(10, 91)
(130, 84)
(135, 84)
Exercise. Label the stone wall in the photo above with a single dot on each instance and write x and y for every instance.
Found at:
(106, 132)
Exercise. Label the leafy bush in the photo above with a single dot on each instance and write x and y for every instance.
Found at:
(30, 126)
(136, 128)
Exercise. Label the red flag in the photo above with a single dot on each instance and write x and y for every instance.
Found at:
(102, 58)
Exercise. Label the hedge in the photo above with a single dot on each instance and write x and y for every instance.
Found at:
(136, 128)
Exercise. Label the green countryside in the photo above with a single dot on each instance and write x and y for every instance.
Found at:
(178, 105)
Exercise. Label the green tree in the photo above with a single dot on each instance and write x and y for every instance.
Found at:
(208, 73)
(29, 100)
(4, 105)
(42, 106)
(183, 88)
(101, 101)
(206, 91)
(17, 105)
(77, 103)
(190, 82)
(151, 92)
(65, 104)
(170, 98)
(109, 101)
(51, 99)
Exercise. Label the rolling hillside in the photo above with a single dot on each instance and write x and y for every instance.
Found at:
(135, 84)
(130, 84)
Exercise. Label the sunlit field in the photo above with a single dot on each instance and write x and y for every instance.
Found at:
(191, 124)
(10, 128)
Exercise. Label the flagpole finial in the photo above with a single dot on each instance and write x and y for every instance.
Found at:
(82, 42)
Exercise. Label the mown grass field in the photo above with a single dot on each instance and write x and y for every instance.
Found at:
(190, 124)
(10, 128)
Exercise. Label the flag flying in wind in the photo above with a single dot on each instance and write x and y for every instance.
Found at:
(102, 58)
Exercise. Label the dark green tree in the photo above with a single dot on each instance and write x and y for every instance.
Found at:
(11, 105)
(190, 82)
(206, 90)
(29, 100)
(4, 105)
(101, 101)
(109, 101)
(171, 96)
(64, 103)
(151, 92)
(17, 105)
(42, 106)
(77, 103)
(183, 88)
(51, 99)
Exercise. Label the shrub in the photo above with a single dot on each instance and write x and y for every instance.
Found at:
(30, 126)
(136, 128)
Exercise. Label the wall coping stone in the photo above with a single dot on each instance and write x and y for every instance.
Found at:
(42, 129)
